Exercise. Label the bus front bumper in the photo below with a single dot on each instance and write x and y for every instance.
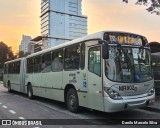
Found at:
(126, 104)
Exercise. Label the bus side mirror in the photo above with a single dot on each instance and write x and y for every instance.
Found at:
(105, 51)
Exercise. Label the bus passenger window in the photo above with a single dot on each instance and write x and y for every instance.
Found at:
(37, 64)
(46, 62)
(30, 65)
(57, 61)
(17, 67)
(72, 58)
(5, 68)
(9, 68)
(95, 60)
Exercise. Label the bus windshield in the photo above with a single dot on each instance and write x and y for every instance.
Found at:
(128, 64)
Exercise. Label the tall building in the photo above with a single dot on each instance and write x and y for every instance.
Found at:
(26, 44)
(61, 21)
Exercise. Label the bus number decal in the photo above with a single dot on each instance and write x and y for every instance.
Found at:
(73, 78)
(126, 88)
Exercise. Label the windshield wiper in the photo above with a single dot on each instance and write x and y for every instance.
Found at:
(127, 61)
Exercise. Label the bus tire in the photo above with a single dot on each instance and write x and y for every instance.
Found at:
(29, 92)
(9, 87)
(72, 100)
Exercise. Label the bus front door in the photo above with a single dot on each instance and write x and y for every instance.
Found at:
(95, 98)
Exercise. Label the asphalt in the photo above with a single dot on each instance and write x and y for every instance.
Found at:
(155, 106)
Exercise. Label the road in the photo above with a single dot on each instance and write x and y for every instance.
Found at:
(18, 106)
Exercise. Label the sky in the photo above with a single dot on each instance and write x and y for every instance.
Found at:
(22, 17)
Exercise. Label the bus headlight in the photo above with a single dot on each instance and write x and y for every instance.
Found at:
(151, 91)
(112, 93)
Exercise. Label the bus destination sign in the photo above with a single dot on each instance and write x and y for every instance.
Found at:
(129, 39)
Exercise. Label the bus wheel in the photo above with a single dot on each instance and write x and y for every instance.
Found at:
(72, 100)
(9, 87)
(29, 92)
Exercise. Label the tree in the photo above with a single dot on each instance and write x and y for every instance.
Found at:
(154, 5)
(6, 54)
(22, 54)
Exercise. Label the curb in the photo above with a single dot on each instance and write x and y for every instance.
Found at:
(153, 109)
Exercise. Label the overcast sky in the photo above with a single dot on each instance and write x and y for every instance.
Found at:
(20, 17)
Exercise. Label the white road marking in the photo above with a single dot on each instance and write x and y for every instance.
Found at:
(0, 103)
(21, 118)
(36, 127)
(4, 106)
(11, 111)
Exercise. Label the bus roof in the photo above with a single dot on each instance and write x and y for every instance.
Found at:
(14, 60)
(98, 35)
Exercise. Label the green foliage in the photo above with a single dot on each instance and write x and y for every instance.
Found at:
(22, 54)
(154, 5)
(6, 54)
